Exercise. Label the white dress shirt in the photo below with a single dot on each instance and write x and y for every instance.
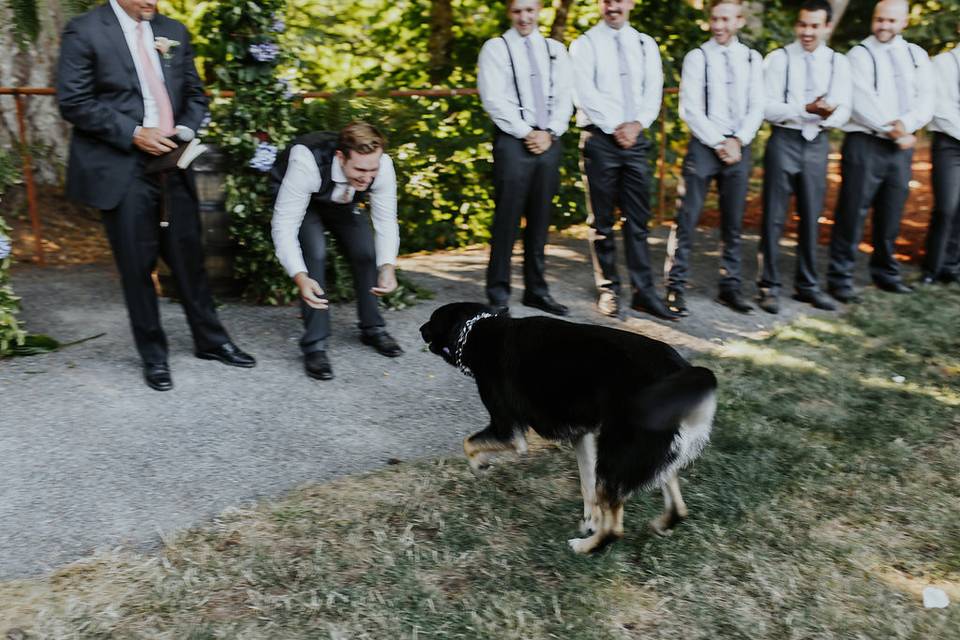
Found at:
(598, 91)
(744, 119)
(831, 74)
(498, 93)
(302, 180)
(876, 99)
(946, 112)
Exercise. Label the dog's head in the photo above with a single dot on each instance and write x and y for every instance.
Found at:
(442, 331)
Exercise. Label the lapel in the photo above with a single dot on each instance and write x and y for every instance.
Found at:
(161, 29)
(114, 33)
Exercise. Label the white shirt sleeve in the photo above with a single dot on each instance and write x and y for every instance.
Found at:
(692, 107)
(841, 93)
(495, 82)
(922, 112)
(946, 113)
(775, 78)
(758, 98)
(653, 83)
(300, 182)
(383, 213)
(866, 109)
(590, 99)
(563, 89)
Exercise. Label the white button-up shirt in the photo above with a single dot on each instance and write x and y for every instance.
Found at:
(787, 97)
(876, 101)
(498, 93)
(302, 180)
(946, 112)
(598, 90)
(150, 114)
(712, 128)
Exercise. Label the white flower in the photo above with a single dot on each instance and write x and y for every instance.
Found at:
(163, 45)
(5, 247)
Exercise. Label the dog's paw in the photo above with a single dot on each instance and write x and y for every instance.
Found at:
(480, 469)
(587, 527)
(582, 545)
(663, 524)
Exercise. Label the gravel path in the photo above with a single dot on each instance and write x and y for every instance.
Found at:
(91, 458)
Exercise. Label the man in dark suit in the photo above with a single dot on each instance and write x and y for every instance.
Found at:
(127, 82)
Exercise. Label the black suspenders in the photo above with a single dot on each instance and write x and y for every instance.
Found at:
(706, 80)
(873, 58)
(516, 83)
(786, 82)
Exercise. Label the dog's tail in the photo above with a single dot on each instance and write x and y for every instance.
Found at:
(666, 403)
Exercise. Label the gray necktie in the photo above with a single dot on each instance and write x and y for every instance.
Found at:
(626, 82)
(901, 83)
(539, 104)
(733, 108)
(811, 124)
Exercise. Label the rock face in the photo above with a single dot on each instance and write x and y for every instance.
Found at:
(34, 66)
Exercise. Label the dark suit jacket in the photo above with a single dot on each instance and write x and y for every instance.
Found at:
(99, 93)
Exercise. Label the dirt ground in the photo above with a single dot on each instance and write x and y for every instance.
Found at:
(72, 234)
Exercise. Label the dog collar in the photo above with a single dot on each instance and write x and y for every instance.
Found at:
(462, 342)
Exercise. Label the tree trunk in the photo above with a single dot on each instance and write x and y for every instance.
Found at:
(839, 8)
(441, 40)
(560, 19)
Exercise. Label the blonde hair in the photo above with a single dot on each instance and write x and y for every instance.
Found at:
(361, 137)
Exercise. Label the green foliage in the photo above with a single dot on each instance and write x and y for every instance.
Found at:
(26, 21)
(11, 335)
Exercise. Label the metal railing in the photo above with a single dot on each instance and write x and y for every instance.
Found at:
(20, 94)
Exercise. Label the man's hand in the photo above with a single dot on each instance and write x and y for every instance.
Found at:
(820, 107)
(386, 281)
(908, 141)
(627, 133)
(729, 152)
(538, 141)
(310, 291)
(898, 131)
(150, 140)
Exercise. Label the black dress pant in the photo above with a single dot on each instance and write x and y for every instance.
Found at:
(792, 165)
(700, 166)
(524, 184)
(355, 239)
(876, 172)
(943, 236)
(617, 177)
(137, 239)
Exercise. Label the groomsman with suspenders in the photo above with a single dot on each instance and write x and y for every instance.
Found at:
(722, 101)
(618, 83)
(893, 95)
(525, 85)
(942, 262)
(808, 92)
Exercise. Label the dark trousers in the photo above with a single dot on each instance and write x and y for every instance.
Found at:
(792, 165)
(523, 184)
(355, 240)
(700, 166)
(943, 236)
(137, 240)
(876, 172)
(617, 177)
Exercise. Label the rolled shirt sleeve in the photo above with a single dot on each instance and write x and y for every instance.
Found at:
(383, 213)
(300, 182)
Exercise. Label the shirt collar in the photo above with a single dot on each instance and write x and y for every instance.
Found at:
(603, 27)
(896, 42)
(821, 51)
(127, 23)
(514, 35)
(336, 171)
(731, 46)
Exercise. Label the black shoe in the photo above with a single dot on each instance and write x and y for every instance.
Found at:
(768, 302)
(317, 365)
(648, 302)
(158, 376)
(846, 296)
(383, 342)
(948, 277)
(816, 298)
(894, 287)
(545, 303)
(609, 303)
(676, 303)
(733, 299)
(228, 353)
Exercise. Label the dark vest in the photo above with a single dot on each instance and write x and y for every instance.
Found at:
(323, 146)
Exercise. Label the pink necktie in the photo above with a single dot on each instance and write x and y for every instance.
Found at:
(155, 84)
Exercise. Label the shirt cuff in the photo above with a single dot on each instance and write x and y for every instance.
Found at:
(184, 133)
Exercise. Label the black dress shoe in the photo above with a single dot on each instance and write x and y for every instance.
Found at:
(733, 299)
(846, 296)
(818, 299)
(228, 353)
(948, 277)
(317, 365)
(158, 376)
(768, 302)
(383, 343)
(894, 287)
(648, 302)
(545, 303)
(608, 303)
(677, 304)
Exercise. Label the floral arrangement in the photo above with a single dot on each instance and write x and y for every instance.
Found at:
(11, 334)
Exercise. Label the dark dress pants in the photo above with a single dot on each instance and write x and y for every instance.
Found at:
(355, 239)
(792, 165)
(137, 239)
(943, 236)
(617, 177)
(524, 184)
(700, 166)
(875, 172)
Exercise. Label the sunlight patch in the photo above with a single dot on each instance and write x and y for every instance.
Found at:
(768, 357)
(949, 398)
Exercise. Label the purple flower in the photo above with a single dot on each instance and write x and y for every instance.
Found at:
(5, 247)
(278, 26)
(285, 84)
(265, 52)
(264, 157)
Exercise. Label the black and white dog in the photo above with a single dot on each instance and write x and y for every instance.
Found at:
(634, 409)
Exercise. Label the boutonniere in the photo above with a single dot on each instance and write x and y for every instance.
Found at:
(164, 45)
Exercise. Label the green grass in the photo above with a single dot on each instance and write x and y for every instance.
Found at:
(827, 500)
